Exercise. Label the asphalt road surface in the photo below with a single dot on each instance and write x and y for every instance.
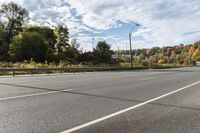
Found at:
(150, 101)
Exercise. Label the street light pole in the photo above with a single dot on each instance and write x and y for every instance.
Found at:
(130, 39)
(92, 43)
(131, 52)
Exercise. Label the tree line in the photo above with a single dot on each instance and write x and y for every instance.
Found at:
(20, 41)
(177, 55)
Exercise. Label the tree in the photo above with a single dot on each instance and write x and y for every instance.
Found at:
(47, 32)
(185, 50)
(13, 17)
(139, 59)
(62, 39)
(196, 55)
(169, 52)
(1, 36)
(71, 53)
(28, 45)
(178, 50)
(173, 57)
(180, 58)
(163, 51)
(151, 60)
(75, 44)
(3, 45)
(187, 61)
(197, 44)
(191, 51)
(102, 52)
(86, 57)
(152, 51)
(49, 36)
(138, 52)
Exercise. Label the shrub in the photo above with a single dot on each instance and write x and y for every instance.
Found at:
(161, 62)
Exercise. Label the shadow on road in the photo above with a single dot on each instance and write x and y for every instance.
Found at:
(106, 97)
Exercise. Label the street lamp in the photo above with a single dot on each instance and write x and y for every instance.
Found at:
(131, 52)
(92, 43)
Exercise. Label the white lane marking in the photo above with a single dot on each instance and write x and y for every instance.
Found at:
(51, 92)
(35, 94)
(147, 79)
(127, 109)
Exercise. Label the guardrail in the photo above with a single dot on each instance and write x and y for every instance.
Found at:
(15, 71)
(31, 71)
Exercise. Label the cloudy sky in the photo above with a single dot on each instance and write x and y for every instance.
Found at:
(161, 22)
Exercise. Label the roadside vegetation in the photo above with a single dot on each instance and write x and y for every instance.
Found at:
(179, 55)
(29, 46)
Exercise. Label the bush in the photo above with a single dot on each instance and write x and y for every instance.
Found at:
(161, 62)
(144, 63)
(28, 45)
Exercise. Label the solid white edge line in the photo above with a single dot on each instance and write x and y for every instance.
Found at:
(127, 109)
(35, 94)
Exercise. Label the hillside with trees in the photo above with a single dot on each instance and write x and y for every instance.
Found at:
(174, 55)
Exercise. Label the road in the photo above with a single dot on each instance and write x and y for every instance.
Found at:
(149, 101)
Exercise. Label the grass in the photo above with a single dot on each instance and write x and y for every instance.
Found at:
(80, 69)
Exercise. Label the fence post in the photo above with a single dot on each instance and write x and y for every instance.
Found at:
(31, 73)
(13, 73)
(61, 71)
(47, 72)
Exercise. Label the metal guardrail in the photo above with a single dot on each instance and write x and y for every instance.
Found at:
(61, 70)
(31, 71)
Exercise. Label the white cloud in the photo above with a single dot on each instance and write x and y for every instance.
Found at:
(163, 22)
(166, 20)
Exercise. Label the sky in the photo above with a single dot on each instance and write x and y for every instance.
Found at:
(161, 22)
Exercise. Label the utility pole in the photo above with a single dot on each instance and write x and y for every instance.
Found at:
(126, 53)
(118, 53)
(131, 52)
(92, 43)
(126, 48)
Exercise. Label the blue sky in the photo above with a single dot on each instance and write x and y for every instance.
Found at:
(162, 22)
